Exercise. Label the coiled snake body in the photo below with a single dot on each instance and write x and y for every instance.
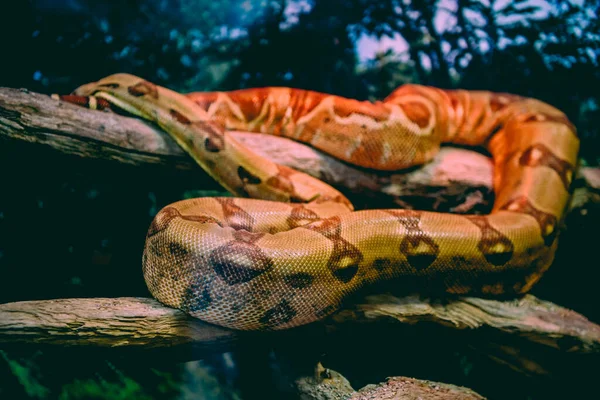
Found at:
(289, 256)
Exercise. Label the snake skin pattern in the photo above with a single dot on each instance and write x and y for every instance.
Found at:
(291, 253)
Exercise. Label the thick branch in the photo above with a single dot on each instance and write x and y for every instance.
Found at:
(531, 336)
(100, 322)
(533, 319)
(143, 322)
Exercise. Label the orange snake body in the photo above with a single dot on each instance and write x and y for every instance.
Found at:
(291, 254)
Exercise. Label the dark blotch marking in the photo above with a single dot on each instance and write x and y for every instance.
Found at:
(491, 241)
(547, 222)
(235, 216)
(412, 248)
(251, 101)
(143, 88)
(345, 274)
(301, 216)
(418, 247)
(345, 257)
(344, 260)
(381, 264)
(215, 135)
(329, 227)
(196, 297)
(546, 158)
(496, 129)
(84, 101)
(248, 237)
(111, 85)
(299, 280)
(204, 99)
(498, 259)
(460, 262)
(238, 262)
(202, 219)
(211, 146)
(180, 117)
(177, 250)
(280, 314)
(154, 248)
(162, 220)
(281, 183)
(303, 102)
(247, 177)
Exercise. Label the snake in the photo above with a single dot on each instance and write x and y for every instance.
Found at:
(287, 249)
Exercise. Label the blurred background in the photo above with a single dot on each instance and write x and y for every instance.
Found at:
(75, 228)
(547, 49)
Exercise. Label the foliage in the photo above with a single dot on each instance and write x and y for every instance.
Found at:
(547, 49)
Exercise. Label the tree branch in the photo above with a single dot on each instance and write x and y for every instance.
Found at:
(144, 322)
(106, 322)
(529, 317)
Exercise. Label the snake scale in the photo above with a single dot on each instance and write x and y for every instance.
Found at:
(290, 253)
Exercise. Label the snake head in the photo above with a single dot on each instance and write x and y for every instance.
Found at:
(114, 81)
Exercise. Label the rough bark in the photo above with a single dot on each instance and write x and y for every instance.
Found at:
(402, 388)
(143, 322)
(331, 385)
(529, 317)
(107, 323)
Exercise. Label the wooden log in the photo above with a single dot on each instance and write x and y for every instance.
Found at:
(528, 335)
(144, 325)
(144, 322)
